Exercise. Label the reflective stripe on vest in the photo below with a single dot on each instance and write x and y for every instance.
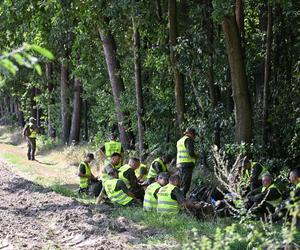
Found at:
(117, 197)
(137, 172)
(32, 132)
(84, 181)
(274, 203)
(152, 172)
(122, 170)
(182, 152)
(165, 203)
(112, 147)
(150, 202)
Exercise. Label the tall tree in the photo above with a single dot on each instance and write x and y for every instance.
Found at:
(267, 72)
(64, 89)
(76, 114)
(177, 76)
(138, 86)
(243, 113)
(116, 81)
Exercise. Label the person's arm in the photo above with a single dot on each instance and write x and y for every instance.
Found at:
(82, 171)
(25, 131)
(101, 196)
(272, 195)
(130, 176)
(142, 173)
(157, 167)
(122, 186)
(189, 144)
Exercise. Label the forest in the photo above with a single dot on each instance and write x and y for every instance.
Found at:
(146, 70)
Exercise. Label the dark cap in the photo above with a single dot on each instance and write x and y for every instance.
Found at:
(90, 155)
(191, 131)
(163, 175)
(112, 171)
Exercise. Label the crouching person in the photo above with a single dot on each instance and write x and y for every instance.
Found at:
(150, 199)
(88, 183)
(117, 192)
(170, 199)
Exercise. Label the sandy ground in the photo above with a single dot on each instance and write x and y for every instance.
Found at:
(34, 217)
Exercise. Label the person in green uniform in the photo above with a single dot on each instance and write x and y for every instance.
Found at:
(263, 201)
(127, 174)
(186, 158)
(141, 173)
(30, 132)
(157, 166)
(88, 183)
(117, 191)
(150, 199)
(170, 199)
(110, 147)
(112, 164)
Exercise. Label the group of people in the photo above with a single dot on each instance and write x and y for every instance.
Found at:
(157, 188)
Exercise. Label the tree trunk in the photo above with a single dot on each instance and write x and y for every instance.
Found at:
(50, 89)
(117, 85)
(243, 126)
(138, 87)
(86, 128)
(158, 11)
(178, 78)
(65, 120)
(76, 115)
(267, 73)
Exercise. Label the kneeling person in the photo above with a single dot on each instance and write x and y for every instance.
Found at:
(170, 198)
(88, 182)
(117, 191)
(150, 199)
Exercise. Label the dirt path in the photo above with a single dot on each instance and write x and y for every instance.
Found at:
(32, 217)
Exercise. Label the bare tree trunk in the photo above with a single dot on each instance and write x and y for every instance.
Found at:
(267, 73)
(50, 89)
(117, 85)
(86, 129)
(178, 78)
(76, 114)
(65, 120)
(243, 114)
(138, 87)
(158, 11)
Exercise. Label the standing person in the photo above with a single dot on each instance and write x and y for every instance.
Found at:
(186, 158)
(157, 166)
(110, 147)
(88, 183)
(30, 132)
(150, 199)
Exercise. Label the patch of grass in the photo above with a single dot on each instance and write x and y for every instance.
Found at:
(178, 228)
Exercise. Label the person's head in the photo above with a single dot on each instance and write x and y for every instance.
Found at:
(89, 157)
(134, 163)
(175, 180)
(113, 136)
(32, 120)
(163, 178)
(295, 176)
(113, 173)
(166, 158)
(267, 179)
(115, 159)
(190, 132)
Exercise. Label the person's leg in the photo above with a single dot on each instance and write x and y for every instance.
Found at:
(28, 149)
(33, 148)
(186, 173)
(139, 193)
